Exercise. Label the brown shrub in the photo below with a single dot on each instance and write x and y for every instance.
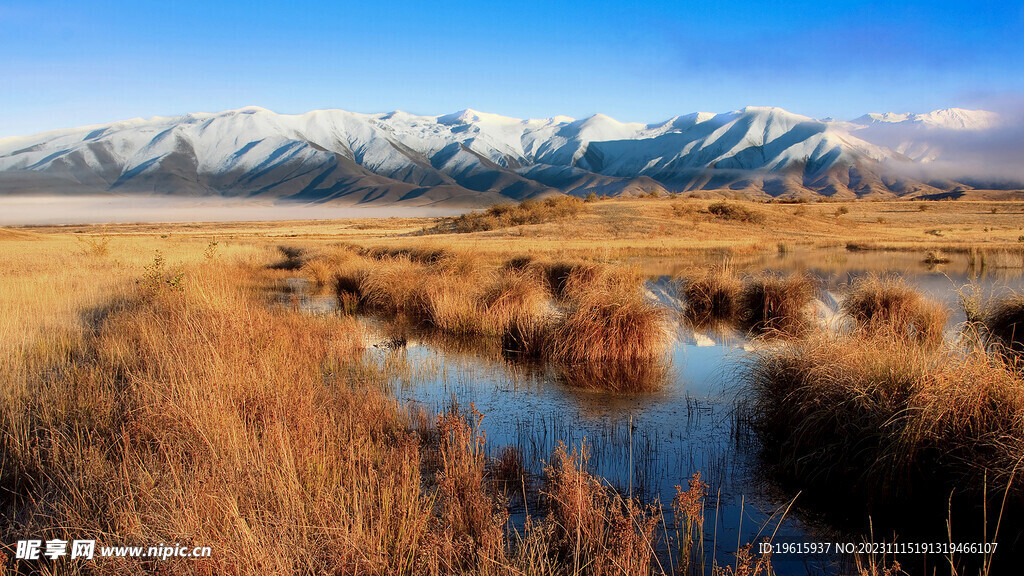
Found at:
(888, 303)
(608, 318)
(736, 211)
(778, 305)
(711, 296)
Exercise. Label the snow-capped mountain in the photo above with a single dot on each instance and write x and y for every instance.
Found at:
(921, 137)
(467, 157)
(949, 119)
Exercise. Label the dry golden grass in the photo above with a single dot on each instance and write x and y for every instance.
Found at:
(607, 319)
(711, 295)
(649, 227)
(595, 529)
(775, 304)
(880, 418)
(517, 298)
(174, 404)
(887, 303)
(391, 285)
(152, 400)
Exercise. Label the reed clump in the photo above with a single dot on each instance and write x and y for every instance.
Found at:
(391, 284)
(882, 418)
(711, 296)
(471, 514)
(452, 304)
(887, 303)
(318, 273)
(596, 530)
(777, 304)
(517, 304)
(1004, 322)
(608, 318)
(688, 512)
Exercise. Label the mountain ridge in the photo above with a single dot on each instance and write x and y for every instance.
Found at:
(472, 157)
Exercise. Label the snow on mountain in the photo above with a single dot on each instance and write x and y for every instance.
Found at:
(921, 137)
(948, 119)
(466, 157)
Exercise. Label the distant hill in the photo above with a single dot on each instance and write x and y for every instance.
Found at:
(473, 158)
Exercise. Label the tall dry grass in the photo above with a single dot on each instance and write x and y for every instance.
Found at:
(777, 304)
(712, 296)
(887, 303)
(595, 530)
(197, 412)
(608, 318)
(391, 285)
(881, 418)
(202, 417)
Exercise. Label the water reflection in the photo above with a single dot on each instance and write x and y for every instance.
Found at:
(651, 426)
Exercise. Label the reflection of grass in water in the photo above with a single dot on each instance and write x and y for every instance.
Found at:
(624, 377)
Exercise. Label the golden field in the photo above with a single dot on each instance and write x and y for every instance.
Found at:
(153, 390)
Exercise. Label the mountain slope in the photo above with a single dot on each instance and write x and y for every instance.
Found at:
(466, 158)
(920, 137)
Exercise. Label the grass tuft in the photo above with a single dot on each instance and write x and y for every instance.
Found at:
(774, 304)
(881, 418)
(608, 318)
(887, 303)
(711, 296)
(1004, 322)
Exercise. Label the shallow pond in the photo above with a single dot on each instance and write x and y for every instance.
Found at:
(681, 422)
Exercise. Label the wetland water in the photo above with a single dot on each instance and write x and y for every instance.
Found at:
(681, 421)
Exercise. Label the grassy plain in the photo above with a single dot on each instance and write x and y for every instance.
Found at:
(153, 393)
(650, 227)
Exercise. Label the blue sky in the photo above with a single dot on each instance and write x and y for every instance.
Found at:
(73, 63)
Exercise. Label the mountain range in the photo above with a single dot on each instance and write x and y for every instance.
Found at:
(472, 158)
